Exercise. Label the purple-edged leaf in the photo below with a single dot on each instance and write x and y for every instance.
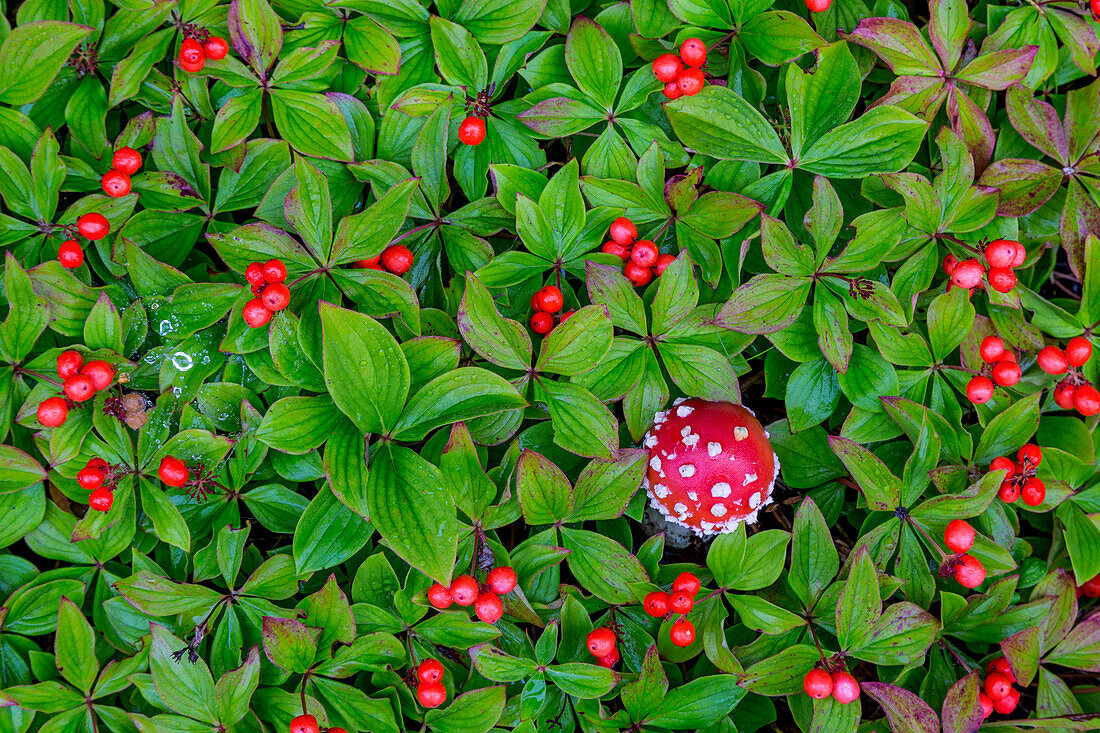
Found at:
(607, 285)
(948, 26)
(560, 117)
(962, 713)
(904, 710)
(970, 123)
(1081, 647)
(1079, 217)
(1038, 123)
(544, 493)
(19, 470)
(498, 665)
(765, 304)
(1022, 650)
(1082, 119)
(999, 69)
(1078, 36)
(880, 488)
(1059, 585)
(921, 95)
(594, 61)
(289, 644)
(256, 33)
(1025, 185)
(860, 603)
(899, 44)
(499, 340)
(781, 673)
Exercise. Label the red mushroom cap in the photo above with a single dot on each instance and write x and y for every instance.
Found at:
(711, 465)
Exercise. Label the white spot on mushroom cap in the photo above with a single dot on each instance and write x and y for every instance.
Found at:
(687, 470)
(655, 463)
(740, 433)
(691, 440)
(718, 510)
(684, 411)
(713, 449)
(749, 478)
(754, 500)
(705, 525)
(650, 441)
(693, 496)
(679, 507)
(720, 490)
(660, 490)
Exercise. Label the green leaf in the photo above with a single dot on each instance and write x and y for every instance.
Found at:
(719, 122)
(582, 424)
(602, 565)
(18, 470)
(234, 690)
(498, 21)
(608, 286)
(765, 304)
(327, 534)
(584, 681)
(256, 33)
(544, 493)
(697, 704)
(499, 666)
(460, 59)
(312, 124)
(31, 56)
(880, 488)
(577, 345)
(371, 47)
(74, 647)
(308, 208)
(778, 37)
(594, 61)
(860, 604)
(814, 557)
(289, 644)
(472, 712)
(747, 564)
(605, 487)
(1009, 430)
(882, 140)
(823, 99)
(499, 340)
(298, 424)
(185, 687)
(168, 523)
(461, 394)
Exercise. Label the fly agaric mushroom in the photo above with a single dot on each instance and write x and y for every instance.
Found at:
(711, 465)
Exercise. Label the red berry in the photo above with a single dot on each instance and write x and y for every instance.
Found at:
(997, 686)
(126, 160)
(967, 274)
(1008, 356)
(431, 695)
(1033, 492)
(682, 633)
(397, 258)
(636, 274)
(115, 183)
(274, 271)
(969, 571)
(276, 296)
(70, 255)
(371, 264)
(1001, 252)
(69, 363)
(986, 703)
(173, 471)
(471, 130)
(949, 263)
(93, 226)
(979, 390)
(1052, 360)
(1008, 703)
(959, 535)
(1078, 351)
(215, 49)
(502, 580)
(78, 387)
(845, 688)
(90, 478)
(535, 301)
(439, 596)
(566, 316)
(430, 670)
(1021, 255)
(542, 323)
(52, 412)
(1090, 588)
(1000, 664)
(691, 82)
(666, 67)
(1064, 394)
(818, 684)
(818, 6)
(100, 372)
(991, 349)
(193, 66)
(614, 248)
(686, 583)
(464, 590)
(101, 499)
(693, 52)
(1008, 492)
(550, 299)
(623, 231)
(672, 90)
(255, 313)
(644, 253)
(1002, 463)
(254, 274)
(1001, 279)
(1030, 453)
(656, 603)
(610, 660)
(304, 724)
(1006, 373)
(600, 641)
(97, 462)
(191, 51)
(488, 607)
(681, 602)
(1087, 400)
(663, 261)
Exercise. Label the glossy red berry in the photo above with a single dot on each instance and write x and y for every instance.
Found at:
(191, 51)
(1006, 373)
(1008, 703)
(691, 82)
(600, 641)
(254, 274)
(1000, 665)
(100, 372)
(1086, 400)
(623, 231)
(304, 724)
(566, 316)
(845, 688)
(439, 596)
(967, 274)
(1000, 463)
(97, 462)
(686, 582)
(682, 633)
(115, 183)
(276, 296)
(666, 67)
(215, 49)
(979, 390)
(671, 90)
(818, 684)
(90, 478)
(969, 571)
(680, 602)
(610, 660)
(1000, 252)
(550, 299)
(637, 275)
(1078, 351)
(369, 264)
(502, 580)
(542, 323)
(1001, 279)
(614, 248)
(173, 471)
(644, 253)
(397, 258)
(430, 670)
(69, 363)
(471, 131)
(1090, 588)
(693, 52)
(949, 263)
(959, 535)
(986, 703)
(656, 604)
(991, 349)
(1033, 492)
(1030, 454)
(464, 590)
(489, 607)
(1064, 394)
(274, 271)
(52, 412)
(193, 66)
(1021, 255)
(1052, 360)
(101, 499)
(997, 686)
(126, 160)
(70, 255)
(663, 261)
(78, 387)
(1008, 492)
(255, 313)
(431, 695)
(93, 226)
(818, 6)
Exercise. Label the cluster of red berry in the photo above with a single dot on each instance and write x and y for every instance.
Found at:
(640, 256)
(820, 6)
(430, 692)
(93, 227)
(1073, 392)
(1004, 370)
(546, 302)
(465, 591)
(271, 292)
(1002, 256)
(967, 569)
(999, 694)
(397, 258)
(603, 644)
(831, 680)
(1020, 481)
(81, 382)
(124, 163)
(680, 599)
(306, 723)
(173, 471)
(682, 75)
(194, 53)
(100, 478)
(471, 131)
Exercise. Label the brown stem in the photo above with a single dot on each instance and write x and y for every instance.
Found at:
(36, 375)
(914, 525)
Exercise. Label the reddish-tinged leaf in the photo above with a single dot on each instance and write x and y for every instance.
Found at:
(898, 43)
(1025, 185)
(971, 124)
(962, 713)
(904, 710)
(999, 69)
(921, 95)
(1038, 123)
